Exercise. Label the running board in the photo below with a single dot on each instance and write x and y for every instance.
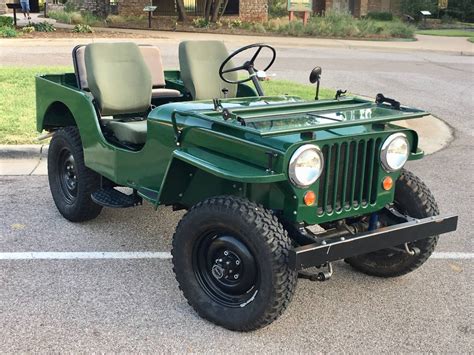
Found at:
(113, 198)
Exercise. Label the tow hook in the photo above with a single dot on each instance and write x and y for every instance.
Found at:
(317, 276)
(407, 249)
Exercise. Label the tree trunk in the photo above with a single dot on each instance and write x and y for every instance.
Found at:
(215, 10)
(181, 11)
(223, 9)
(207, 9)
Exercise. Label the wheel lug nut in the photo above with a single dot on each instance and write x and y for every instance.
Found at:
(236, 276)
(226, 252)
(237, 262)
(227, 262)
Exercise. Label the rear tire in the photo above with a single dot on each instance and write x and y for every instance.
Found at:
(413, 198)
(230, 258)
(70, 181)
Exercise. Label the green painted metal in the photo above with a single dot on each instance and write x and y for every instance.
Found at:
(201, 154)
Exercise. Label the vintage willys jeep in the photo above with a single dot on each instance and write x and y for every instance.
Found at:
(256, 174)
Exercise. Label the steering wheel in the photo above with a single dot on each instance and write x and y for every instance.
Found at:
(248, 65)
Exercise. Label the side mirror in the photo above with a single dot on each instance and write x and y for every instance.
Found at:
(315, 75)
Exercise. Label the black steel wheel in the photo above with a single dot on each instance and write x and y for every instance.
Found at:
(225, 268)
(70, 181)
(230, 257)
(412, 198)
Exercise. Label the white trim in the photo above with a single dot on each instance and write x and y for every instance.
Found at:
(83, 255)
(150, 255)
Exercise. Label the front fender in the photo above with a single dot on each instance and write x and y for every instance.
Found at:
(195, 174)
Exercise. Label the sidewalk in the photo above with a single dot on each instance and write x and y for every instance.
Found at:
(453, 45)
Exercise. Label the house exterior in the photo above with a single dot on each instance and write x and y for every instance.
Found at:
(357, 8)
(3, 7)
(246, 10)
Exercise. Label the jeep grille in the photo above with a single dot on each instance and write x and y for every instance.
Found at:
(349, 179)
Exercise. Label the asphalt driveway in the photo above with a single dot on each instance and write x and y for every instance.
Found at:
(134, 304)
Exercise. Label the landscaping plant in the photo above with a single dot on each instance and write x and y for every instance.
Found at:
(44, 27)
(82, 29)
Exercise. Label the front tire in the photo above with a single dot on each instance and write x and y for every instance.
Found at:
(230, 257)
(412, 198)
(70, 181)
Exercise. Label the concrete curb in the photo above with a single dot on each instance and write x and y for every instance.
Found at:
(27, 151)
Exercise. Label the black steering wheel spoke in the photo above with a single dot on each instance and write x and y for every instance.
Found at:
(248, 65)
(257, 52)
(231, 70)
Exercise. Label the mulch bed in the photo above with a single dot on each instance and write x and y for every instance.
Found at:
(66, 33)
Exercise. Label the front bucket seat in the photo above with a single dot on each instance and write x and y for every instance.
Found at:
(199, 63)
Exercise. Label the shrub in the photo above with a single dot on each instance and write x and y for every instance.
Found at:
(277, 8)
(235, 23)
(71, 6)
(399, 29)
(76, 18)
(200, 22)
(62, 16)
(336, 24)
(6, 21)
(115, 19)
(81, 28)
(380, 16)
(91, 19)
(259, 28)
(44, 27)
(28, 29)
(7, 32)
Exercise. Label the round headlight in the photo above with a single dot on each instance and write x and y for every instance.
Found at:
(395, 151)
(306, 165)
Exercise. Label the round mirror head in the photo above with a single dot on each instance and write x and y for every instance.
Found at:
(315, 75)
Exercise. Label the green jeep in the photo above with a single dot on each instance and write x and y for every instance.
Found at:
(275, 187)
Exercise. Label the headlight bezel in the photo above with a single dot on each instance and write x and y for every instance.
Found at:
(294, 160)
(385, 148)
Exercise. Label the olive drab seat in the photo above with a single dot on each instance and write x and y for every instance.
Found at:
(199, 63)
(120, 82)
(152, 57)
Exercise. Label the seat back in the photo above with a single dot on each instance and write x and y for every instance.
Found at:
(118, 78)
(199, 63)
(151, 55)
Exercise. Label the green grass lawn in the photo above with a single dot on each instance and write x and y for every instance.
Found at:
(17, 103)
(448, 33)
(471, 39)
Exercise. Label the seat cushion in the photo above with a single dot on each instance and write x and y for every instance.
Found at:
(131, 132)
(118, 78)
(163, 93)
(199, 63)
(152, 57)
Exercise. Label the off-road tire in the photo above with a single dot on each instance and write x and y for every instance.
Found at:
(415, 200)
(80, 207)
(266, 239)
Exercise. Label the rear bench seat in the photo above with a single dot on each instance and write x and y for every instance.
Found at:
(152, 57)
(128, 132)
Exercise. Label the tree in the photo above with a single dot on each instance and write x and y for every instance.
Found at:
(182, 17)
(214, 9)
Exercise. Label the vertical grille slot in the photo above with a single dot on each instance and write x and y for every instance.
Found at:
(350, 176)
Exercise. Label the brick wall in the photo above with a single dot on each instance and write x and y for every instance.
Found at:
(132, 7)
(253, 10)
(3, 7)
